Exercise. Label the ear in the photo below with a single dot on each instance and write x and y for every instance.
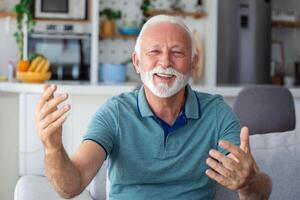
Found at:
(135, 61)
(195, 61)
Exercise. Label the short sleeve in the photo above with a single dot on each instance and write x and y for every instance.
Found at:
(103, 126)
(228, 124)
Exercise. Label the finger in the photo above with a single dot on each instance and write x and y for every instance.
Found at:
(217, 177)
(54, 116)
(51, 105)
(38, 106)
(219, 168)
(47, 94)
(235, 150)
(46, 86)
(226, 161)
(244, 136)
(56, 124)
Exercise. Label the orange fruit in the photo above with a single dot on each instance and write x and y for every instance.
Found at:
(23, 65)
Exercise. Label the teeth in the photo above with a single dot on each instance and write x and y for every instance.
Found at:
(165, 75)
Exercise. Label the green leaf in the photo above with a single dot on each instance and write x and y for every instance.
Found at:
(110, 13)
(21, 9)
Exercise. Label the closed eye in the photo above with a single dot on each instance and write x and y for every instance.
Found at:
(153, 52)
(178, 54)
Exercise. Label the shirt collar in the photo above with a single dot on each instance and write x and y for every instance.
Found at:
(192, 104)
(192, 107)
(142, 104)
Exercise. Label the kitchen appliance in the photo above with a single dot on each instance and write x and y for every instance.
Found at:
(61, 27)
(69, 57)
(244, 42)
(60, 9)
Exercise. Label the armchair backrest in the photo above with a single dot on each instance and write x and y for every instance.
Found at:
(265, 109)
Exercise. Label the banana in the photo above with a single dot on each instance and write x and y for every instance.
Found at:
(35, 63)
(40, 66)
(46, 67)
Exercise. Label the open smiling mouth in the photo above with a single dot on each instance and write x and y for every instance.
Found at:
(164, 76)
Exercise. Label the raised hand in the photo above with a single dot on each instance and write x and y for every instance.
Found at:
(49, 118)
(236, 170)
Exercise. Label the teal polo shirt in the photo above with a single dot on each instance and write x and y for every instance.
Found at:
(143, 164)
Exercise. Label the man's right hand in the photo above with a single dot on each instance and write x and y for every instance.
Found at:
(49, 118)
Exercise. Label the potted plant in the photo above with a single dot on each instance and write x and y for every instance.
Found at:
(108, 26)
(145, 7)
(25, 25)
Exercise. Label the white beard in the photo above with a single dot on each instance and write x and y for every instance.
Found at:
(163, 90)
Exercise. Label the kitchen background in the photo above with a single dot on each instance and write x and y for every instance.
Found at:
(71, 52)
(67, 54)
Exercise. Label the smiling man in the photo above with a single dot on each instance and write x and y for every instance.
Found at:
(164, 141)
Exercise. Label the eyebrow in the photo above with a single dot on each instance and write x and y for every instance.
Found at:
(175, 46)
(155, 46)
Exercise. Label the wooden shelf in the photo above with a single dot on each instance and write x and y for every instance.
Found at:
(284, 24)
(119, 36)
(178, 13)
(7, 14)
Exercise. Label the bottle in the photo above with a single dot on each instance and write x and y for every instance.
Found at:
(199, 6)
(10, 71)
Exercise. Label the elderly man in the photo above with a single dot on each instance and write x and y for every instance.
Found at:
(164, 141)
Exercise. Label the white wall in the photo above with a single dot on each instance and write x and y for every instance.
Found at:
(8, 47)
(210, 77)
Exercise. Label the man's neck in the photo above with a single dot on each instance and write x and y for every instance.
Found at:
(166, 109)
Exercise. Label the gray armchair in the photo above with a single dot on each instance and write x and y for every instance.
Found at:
(269, 112)
(33, 187)
(263, 109)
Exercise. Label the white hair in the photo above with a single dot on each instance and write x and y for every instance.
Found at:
(161, 19)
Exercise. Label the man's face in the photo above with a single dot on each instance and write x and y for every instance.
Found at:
(165, 61)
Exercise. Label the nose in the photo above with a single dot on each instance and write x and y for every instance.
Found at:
(165, 60)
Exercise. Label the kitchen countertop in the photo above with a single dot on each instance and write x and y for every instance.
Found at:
(84, 88)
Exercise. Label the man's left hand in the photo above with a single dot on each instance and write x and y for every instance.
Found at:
(236, 170)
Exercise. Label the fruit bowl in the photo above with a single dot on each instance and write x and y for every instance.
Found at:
(33, 77)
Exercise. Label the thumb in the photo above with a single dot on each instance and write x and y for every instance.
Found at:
(244, 137)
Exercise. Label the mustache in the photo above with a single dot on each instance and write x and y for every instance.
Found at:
(161, 70)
